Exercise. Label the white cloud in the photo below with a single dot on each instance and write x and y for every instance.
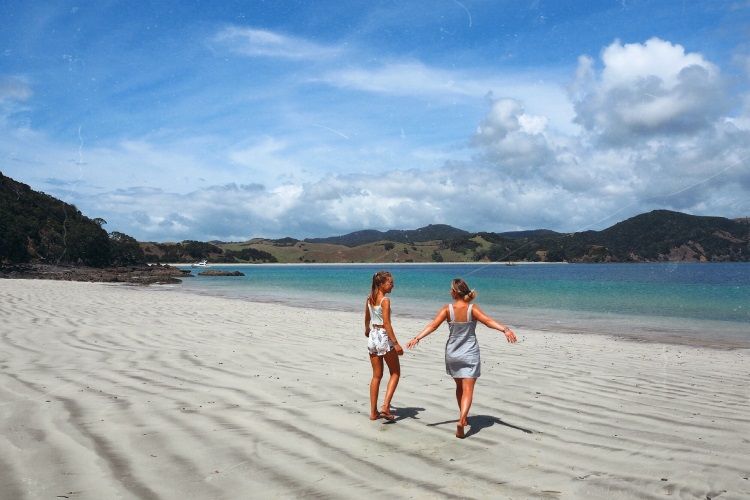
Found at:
(577, 187)
(417, 80)
(414, 78)
(655, 88)
(742, 119)
(512, 139)
(655, 134)
(630, 63)
(406, 78)
(263, 43)
(268, 160)
(179, 165)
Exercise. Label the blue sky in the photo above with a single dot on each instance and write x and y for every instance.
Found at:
(231, 120)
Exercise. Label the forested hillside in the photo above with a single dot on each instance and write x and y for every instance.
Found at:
(40, 228)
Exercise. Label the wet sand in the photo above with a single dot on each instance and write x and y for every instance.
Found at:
(112, 391)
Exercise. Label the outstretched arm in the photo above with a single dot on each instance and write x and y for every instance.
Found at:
(442, 315)
(491, 323)
(386, 303)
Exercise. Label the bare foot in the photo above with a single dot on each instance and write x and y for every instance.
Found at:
(380, 414)
(385, 411)
(460, 428)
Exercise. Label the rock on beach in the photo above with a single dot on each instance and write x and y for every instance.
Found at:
(214, 272)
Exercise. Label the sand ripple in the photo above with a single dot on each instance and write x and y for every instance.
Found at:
(125, 392)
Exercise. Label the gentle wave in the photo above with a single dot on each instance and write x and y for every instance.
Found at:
(665, 302)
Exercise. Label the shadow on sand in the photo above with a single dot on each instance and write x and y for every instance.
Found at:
(479, 422)
(404, 413)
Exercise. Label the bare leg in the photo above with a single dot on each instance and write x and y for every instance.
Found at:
(467, 385)
(394, 367)
(459, 392)
(377, 374)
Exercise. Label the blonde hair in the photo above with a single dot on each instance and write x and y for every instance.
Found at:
(378, 279)
(461, 289)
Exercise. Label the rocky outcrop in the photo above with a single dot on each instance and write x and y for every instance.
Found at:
(142, 275)
(215, 272)
(726, 236)
(689, 252)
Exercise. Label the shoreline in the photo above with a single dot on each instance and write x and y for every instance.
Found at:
(121, 391)
(458, 263)
(365, 264)
(667, 330)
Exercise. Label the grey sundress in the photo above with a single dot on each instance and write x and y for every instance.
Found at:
(461, 349)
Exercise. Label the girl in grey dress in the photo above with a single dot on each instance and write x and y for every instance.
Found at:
(381, 343)
(462, 361)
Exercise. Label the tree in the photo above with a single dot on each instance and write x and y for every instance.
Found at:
(125, 250)
(497, 252)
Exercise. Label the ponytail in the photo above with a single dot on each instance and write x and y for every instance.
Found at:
(463, 291)
(378, 279)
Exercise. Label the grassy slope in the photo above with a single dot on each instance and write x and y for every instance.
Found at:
(371, 252)
(656, 236)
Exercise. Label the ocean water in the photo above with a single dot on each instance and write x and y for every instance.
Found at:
(705, 303)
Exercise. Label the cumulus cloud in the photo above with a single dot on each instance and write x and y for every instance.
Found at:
(645, 90)
(253, 42)
(655, 132)
(656, 135)
(577, 187)
(630, 63)
(331, 205)
(512, 139)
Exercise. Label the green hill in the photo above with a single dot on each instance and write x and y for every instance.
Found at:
(660, 235)
(190, 251)
(36, 227)
(431, 232)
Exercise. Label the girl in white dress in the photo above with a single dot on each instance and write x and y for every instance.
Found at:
(381, 343)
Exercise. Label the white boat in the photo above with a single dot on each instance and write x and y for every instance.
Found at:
(202, 263)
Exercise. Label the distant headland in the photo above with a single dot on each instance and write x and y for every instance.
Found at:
(39, 229)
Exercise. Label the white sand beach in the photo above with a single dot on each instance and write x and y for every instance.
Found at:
(110, 391)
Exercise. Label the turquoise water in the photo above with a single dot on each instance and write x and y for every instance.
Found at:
(669, 298)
